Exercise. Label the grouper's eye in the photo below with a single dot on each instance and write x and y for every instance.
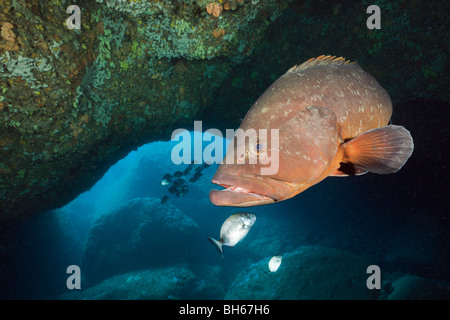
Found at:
(257, 147)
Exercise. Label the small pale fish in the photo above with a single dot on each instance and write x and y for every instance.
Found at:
(166, 179)
(275, 263)
(233, 230)
(331, 119)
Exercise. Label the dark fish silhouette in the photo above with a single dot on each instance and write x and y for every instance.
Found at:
(164, 199)
(195, 177)
(178, 174)
(181, 191)
(178, 182)
(173, 189)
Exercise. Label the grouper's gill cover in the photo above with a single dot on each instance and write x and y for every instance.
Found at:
(318, 109)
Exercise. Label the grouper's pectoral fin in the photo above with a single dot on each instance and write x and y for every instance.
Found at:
(382, 150)
(348, 169)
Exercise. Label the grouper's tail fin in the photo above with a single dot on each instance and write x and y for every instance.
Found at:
(217, 243)
(382, 150)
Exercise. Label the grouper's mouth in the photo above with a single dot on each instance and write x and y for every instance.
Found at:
(235, 196)
(243, 192)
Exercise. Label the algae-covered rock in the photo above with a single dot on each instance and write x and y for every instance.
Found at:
(309, 272)
(142, 233)
(168, 283)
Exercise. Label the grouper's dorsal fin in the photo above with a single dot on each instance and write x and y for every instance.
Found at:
(320, 61)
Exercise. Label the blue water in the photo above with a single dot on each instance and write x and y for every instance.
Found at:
(374, 218)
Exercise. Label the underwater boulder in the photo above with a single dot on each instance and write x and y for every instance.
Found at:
(309, 272)
(167, 283)
(417, 288)
(269, 235)
(207, 284)
(142, 233)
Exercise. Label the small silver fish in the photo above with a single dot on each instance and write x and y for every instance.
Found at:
(274, 263)
(166, 179)
(234, 229)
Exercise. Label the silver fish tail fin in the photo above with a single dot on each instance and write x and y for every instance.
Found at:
(217, 243)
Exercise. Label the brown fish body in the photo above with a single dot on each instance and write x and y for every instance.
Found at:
(318, 108)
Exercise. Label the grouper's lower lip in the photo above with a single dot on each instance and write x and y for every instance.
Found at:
(235, 196)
